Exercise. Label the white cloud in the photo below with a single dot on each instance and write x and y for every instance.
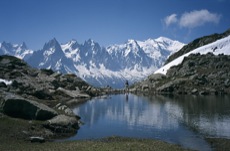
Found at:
(198, 18)
(171, 19)
(192, 19)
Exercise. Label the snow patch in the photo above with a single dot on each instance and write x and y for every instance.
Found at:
(221, 46)
(7, 82)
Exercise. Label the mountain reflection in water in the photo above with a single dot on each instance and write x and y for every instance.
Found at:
(181, 120)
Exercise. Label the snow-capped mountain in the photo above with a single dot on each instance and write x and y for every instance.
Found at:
(51, 57)
(21, 51)
(160, 48)
(132, 61)
(221, 46)
(100, 66)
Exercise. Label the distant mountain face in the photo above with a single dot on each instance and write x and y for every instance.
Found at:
(20, 51)
(100, 66)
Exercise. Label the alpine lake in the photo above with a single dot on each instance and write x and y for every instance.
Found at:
(185, 120)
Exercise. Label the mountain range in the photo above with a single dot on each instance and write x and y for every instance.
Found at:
(99, 66)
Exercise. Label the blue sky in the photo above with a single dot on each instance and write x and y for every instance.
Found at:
(110, 21)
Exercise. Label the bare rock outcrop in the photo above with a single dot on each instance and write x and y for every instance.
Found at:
(17, 106)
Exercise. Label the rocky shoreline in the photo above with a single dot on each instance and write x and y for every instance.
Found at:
(42, 97)
(196, 75)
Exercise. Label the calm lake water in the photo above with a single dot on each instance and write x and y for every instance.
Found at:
(183, 120)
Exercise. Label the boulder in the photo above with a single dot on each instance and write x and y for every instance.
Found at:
(145, 87)
(68, 111)
(227, 83)
(65, 109)
(168, 87)
(2, 84)
(16, 106)
(42, 94)
(35, 139)
(194, 91)
(62, 124)
(59, 104)
(62, 107)
(156, 77)
(203, 93)
(73, 93)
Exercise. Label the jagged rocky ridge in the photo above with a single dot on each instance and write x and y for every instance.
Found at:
(197, 74)
(20, 51)
(197, 43)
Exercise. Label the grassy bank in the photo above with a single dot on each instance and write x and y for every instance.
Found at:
(115, 144)
(221, 144)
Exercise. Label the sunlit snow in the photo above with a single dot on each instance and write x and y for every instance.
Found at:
(7, 82)
(221, 46)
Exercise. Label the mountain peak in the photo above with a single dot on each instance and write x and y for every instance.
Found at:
(7, 46)
(163, 39)
(72, 42)
(23, 46)
(54, 40)
(52, 43)
(4, 43)
(89, 41)
(132, 41)
(91, 44)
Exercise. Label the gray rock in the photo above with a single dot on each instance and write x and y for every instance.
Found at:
(203, 93)
(167, 87)
(194, 91)
(62, 107)
(145, 87)
(73, 93)
(66, 109)
(37, 139)
(16, 106)
(89, 88)
(58, 105)
(156, 77)
(2, 84)
(62, 124)
(42, 94)
(227, 83)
